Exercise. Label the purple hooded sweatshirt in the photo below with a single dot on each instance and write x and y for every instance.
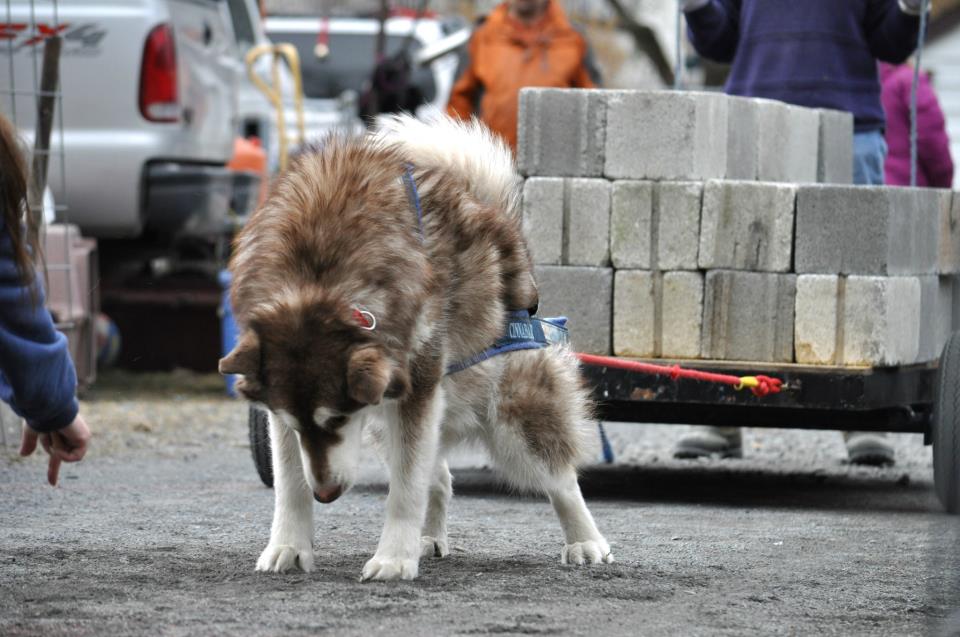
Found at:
(819, 53)
(934, 165)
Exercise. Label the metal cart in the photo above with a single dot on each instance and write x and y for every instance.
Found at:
(921, 399)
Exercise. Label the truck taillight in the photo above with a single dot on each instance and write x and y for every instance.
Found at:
(158, 77)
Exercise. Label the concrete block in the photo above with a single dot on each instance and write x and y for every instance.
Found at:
(655, 226)
(835, 163)
(936, 315)
(543, 199)
(631, 217)
(881, 321)
(675, 135)
(859, 320)
(868, 230)
(560, 132)
(747, 226)
(949, 239)
(742, 128)
(586, 235)
(748, 316)
(657, 314)
(787, 141)
(585, 296)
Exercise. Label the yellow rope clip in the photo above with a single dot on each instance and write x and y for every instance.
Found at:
(747, 381)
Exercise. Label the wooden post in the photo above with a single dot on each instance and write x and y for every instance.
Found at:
(46, 103)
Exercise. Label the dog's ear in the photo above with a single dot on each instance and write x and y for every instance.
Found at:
(371, 376)
(245, 360)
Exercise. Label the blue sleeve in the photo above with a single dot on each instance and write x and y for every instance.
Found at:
(37, 376)
(714, 29)
(891, 33)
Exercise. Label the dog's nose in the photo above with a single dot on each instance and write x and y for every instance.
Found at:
(326, 494)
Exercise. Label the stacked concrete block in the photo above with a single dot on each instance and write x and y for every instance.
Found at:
(567, 221)
(858, 320)
(561, 132)
(948, 253)
(742, 127)
(585, 297)
(936, 315)
(748, 316)
(657, 314)
(835, 165)
(543, 206)
(655, 226)
(788, 139)
(666, 135)
(747, 226)
(866, 230)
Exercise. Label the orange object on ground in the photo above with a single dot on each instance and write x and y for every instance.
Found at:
(506, 55)
(249, 155)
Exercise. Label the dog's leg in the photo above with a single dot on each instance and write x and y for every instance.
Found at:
(291, 537)
(584, 544)
(411, 445)
(433, 542)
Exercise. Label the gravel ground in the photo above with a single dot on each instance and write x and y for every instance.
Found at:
(158, 530)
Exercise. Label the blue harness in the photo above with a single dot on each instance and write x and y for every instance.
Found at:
(523, 332)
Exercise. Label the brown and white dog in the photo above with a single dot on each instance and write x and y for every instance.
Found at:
(354, 291)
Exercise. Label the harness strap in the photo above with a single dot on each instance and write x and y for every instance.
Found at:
(414, 196)
(522, 332)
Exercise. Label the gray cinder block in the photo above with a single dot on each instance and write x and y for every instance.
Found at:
(657, 314)
(748, 316)
(585, 296)
(949, 240)
(666, 135)
(655, 226)
(742, 127)
(747, 226)
(873, 230)
(586, 235)
(543, 218)
(859, 320)
(936, 315)
(561, 132)
(835, 164)
(787, 141)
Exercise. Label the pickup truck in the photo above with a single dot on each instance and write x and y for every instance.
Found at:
(148, 112)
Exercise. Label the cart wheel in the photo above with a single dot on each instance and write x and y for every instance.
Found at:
(946, 427)
(260, 444)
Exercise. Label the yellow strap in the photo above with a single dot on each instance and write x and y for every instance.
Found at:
(747, 381)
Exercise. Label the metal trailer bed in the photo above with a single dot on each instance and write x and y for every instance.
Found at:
(922, 399)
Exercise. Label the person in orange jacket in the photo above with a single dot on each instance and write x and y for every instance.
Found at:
(521, 43)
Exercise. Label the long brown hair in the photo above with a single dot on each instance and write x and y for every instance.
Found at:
(13, 201)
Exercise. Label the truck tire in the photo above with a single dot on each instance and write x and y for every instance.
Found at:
(946, 427)
(260, 444)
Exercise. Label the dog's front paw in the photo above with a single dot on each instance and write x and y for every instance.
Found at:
(589, 552)
(389, 568)
(281, 558)
(433, 546)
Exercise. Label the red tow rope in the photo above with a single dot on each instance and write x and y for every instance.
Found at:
(759, 385)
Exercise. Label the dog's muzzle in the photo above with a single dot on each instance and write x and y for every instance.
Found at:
(326, 495)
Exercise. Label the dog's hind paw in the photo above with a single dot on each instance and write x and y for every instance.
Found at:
(589, 552)
(389, 568)
(433, 547)
(281, 558)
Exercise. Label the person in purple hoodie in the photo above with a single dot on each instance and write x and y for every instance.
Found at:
(934, 164)
(816, 53)
(37, 377)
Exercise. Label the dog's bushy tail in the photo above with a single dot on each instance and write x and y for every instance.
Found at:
(465, 147)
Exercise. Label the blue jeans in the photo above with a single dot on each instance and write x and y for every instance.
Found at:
(869, 153)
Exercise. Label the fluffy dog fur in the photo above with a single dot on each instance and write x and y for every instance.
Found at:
(339, 234)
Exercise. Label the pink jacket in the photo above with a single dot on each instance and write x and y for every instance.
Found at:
(934, 165)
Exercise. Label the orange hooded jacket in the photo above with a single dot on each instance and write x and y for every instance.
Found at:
(505, 55)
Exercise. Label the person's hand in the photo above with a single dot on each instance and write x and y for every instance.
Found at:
(66, 445)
